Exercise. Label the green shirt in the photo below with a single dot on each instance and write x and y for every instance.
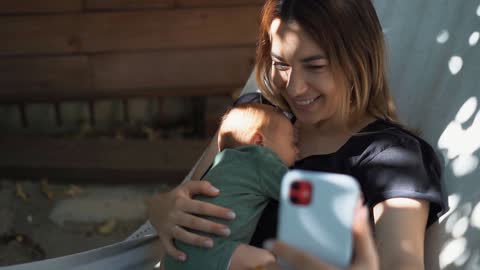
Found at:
(248, 177)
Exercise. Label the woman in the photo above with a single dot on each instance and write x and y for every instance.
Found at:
(324, 61)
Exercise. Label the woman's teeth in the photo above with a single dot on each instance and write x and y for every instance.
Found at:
(305, 102)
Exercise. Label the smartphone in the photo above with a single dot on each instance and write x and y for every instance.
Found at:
(316, 214)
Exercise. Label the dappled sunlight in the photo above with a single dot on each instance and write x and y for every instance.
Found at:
(443, 36)
(453, 202)
(455, 64)
(460, 227)
(464, 165)
(459, 143)
(478, 10)
(475, 218)
(452, 250)
(473, 39)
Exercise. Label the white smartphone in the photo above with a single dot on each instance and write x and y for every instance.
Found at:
(316, 214)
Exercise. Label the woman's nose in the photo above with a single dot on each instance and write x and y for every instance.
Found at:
(296, 84)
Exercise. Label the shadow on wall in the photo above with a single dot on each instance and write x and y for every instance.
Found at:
(435, 75)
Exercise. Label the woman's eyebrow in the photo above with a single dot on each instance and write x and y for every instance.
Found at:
(313, 58)
(276, 56)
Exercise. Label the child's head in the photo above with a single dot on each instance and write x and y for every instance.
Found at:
(258, 124)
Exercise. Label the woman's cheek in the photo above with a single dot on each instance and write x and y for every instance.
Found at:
(279, 79)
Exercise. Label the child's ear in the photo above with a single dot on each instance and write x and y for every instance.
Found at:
(257, 138)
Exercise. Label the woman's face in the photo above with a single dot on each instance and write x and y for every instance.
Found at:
(302, 74)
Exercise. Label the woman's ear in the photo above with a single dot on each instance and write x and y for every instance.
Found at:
(257, 138)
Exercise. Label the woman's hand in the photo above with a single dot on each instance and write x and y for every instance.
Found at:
(171, 212)
(365, 257)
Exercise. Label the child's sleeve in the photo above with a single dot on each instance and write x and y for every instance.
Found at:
(271, 172)
(215, 258)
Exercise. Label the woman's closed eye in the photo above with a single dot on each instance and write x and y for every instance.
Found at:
(315, 67)
(280, 66)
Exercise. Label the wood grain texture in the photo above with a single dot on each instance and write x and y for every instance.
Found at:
(41, 76)
(93, 158)
(177, 69)
(39, 6)
(128, 31)
(177, 73)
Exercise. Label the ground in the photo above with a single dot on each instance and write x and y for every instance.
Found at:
(41, 219)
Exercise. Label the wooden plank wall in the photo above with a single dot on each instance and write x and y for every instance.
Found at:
(77, 48)
(59, 56)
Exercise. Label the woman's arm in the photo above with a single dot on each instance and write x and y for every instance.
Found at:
(400, 233)
(169, 212)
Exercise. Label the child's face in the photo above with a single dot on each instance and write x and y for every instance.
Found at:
(282, 140)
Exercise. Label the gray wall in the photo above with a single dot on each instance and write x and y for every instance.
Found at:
(427, 40)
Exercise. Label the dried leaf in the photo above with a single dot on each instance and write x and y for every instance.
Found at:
(21, 193)
(107, 227)
(46, 189)
(73, 191)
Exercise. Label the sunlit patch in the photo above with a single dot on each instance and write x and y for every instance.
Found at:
(157, 266)
(460, 227)
(473, 39)
(453, 201)
(464, 165)
(449, 139)
(478, 10)
(460, 261)
(452, 251)
(443, 36)
(459, 144)
(475, 218)
(455, 64)
(467, 110)
(452, 220)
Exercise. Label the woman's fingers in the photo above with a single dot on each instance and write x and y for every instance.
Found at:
(297, 259)
(366, 256)
(201, 224)
(205, 208)
(191, 238)
(200, 187)
(171, 250)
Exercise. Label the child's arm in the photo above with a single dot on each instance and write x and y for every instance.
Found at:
(249, 257)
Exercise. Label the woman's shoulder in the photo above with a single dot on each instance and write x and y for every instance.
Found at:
(382, 135)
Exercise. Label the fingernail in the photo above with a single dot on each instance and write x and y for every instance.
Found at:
(268, 244)
(208, 243)
(231, 215)
(182, 257)
(226, 232)
(214, 189)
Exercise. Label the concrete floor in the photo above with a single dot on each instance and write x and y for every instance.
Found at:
(39, 227)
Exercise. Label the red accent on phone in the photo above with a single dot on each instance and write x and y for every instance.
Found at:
(301, 192)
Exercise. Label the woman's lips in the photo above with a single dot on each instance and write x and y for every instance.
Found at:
(305, 103)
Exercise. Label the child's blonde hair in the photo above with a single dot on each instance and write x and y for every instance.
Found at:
(240, 123)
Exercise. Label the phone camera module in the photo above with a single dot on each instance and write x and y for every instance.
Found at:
(301, 192)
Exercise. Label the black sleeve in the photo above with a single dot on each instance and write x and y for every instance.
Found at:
(408, 171)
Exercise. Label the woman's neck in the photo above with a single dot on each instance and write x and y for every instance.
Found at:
(328, 136)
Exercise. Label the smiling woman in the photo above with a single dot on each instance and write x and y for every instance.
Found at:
(324, 61)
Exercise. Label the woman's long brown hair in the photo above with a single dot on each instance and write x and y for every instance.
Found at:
(351, 35)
